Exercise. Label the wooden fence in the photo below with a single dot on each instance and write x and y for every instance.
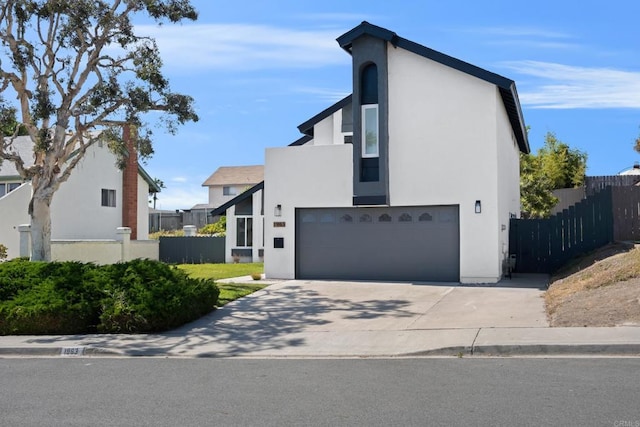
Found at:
(543, 245)
(626, 213)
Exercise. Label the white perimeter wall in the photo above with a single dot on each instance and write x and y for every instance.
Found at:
(301, 177)
(443, 151)
(76, 211)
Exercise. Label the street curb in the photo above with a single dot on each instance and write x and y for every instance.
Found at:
(454, 351)
(558, 349)
(87, 351)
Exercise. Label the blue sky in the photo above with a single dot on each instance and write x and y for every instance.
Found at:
(257, 69)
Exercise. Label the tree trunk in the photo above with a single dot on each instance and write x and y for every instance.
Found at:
(40, 211)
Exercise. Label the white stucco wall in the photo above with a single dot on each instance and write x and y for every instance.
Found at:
(443, 151)
(328, 131)
(76, 211)
(301, 177)
(508, 177)
(13, 212)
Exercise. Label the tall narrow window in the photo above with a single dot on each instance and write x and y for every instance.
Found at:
(244, 232)
(370, 138)
(370, 131)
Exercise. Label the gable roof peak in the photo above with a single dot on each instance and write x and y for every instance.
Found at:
(365, 28)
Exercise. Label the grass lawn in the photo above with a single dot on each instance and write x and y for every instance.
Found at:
(228, 291)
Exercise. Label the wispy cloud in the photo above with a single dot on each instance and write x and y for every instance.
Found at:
(179, 179)
(330, 95)
(525, 37)
(561, 86)
(240, 47)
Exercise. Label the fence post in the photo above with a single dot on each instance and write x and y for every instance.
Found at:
(124, 236)
(25, 239)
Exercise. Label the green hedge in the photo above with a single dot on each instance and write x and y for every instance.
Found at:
(72, 297)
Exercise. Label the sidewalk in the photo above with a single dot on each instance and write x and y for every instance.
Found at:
(307, 319)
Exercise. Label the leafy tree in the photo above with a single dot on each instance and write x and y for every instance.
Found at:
(77, 67)
(554, 166)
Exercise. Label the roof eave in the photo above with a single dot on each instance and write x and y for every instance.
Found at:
(307, 127)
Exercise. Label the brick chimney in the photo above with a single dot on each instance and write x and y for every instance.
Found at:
(130, 182)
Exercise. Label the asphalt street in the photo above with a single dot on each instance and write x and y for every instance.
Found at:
(320, 392)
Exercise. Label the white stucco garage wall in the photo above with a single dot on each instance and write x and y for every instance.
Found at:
(301, 177)
(508, 177)
(442, 151)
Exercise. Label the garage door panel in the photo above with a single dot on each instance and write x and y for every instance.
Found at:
(409, 243)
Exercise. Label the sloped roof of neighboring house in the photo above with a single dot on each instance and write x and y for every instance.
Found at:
(220, 210)
(506, 86)
(229, 175)
(24, 147)
(201, 206)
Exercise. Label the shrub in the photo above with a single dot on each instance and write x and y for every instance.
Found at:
(166, 233)
(218, 228)
(3, 252)
(150, 296)
(72, 297)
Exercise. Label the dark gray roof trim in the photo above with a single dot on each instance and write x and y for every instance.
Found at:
(222, 209)
(507, 87)
(301, 141)
(307, 127)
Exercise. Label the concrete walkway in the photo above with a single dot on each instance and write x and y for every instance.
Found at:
(359, 319)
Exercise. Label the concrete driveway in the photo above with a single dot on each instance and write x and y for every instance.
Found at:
(314, 318)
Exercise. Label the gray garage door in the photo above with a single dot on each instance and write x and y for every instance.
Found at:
(408, 243)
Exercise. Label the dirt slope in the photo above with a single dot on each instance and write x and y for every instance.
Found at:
(600, 289)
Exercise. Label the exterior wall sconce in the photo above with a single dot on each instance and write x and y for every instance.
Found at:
(478, 207)
(278, 210)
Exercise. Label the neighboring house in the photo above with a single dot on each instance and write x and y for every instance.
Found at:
(97, 198)
(229, 181)
(413, 177)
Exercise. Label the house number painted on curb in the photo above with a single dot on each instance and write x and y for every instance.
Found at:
(72, 351)
(279, 224)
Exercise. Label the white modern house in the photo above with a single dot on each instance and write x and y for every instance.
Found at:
(97, 198)
(412, 177)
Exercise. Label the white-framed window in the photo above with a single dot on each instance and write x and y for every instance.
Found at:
(228, 190)
(370, 131)
(6, 188)
(244, 232)
(108, 198)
